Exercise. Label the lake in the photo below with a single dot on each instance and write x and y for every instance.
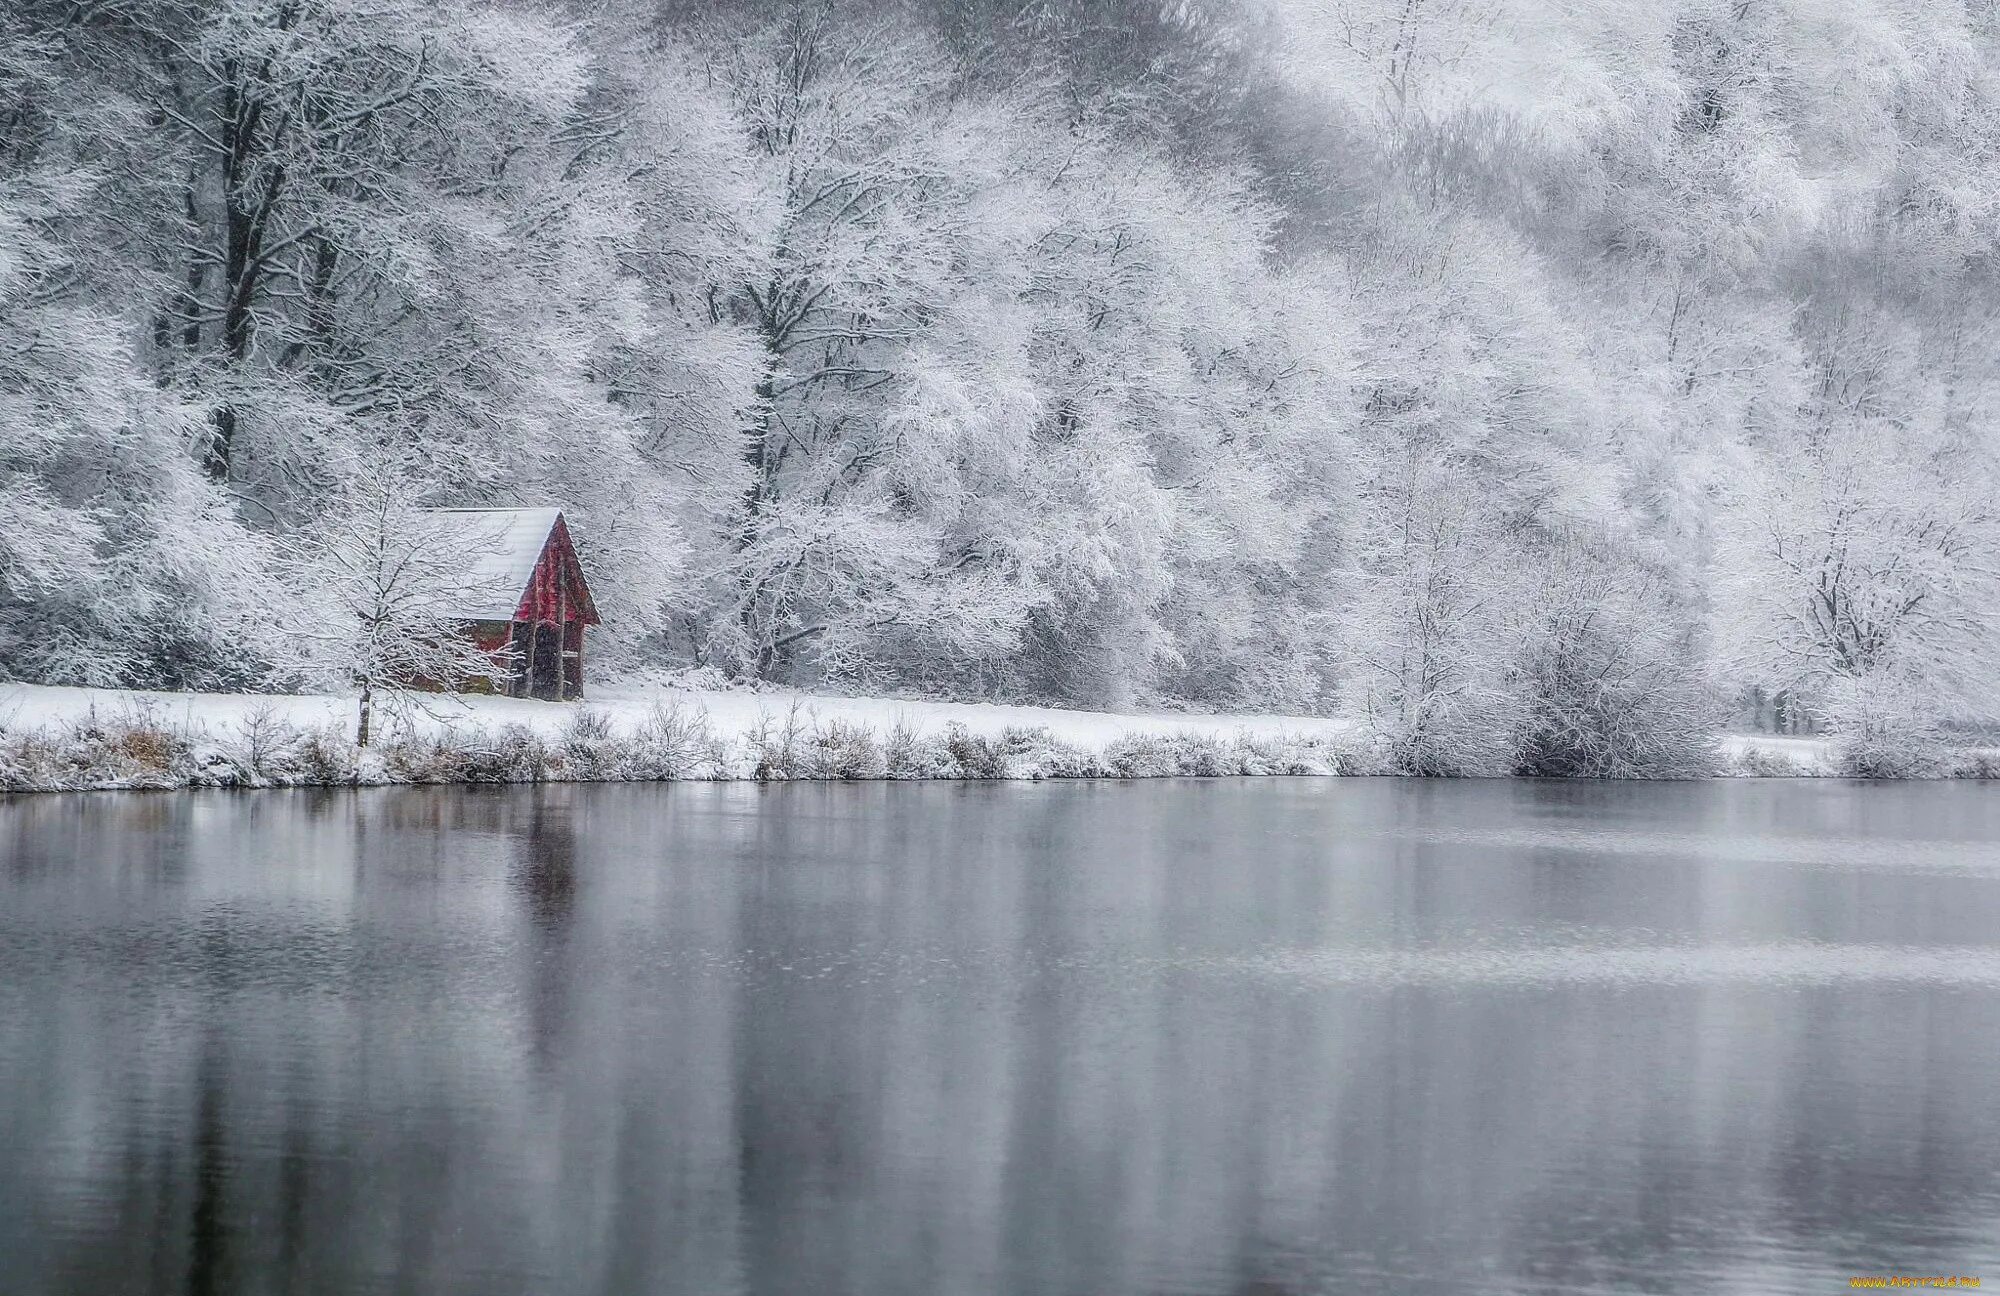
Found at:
(1206, 1037)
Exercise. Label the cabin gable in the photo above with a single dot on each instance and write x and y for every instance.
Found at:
(556, 590)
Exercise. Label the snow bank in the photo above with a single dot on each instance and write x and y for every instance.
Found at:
(35, 706)
(1774, 756)
(61, 738)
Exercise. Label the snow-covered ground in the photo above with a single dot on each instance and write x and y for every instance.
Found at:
(54, 737)
(74, 738)
(36, 706)
(1772, 753)
(732, 713)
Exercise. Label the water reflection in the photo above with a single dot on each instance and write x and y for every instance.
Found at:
(1200, 1037)
(544, 876)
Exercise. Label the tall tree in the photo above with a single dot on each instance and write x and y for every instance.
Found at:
(118, 563)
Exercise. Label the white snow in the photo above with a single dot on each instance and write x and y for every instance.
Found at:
(1806, 755)
(500, 548)
(733, 713)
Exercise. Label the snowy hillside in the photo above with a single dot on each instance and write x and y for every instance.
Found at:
(1542, 389)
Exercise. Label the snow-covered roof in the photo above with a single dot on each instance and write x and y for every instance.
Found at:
(500, 548)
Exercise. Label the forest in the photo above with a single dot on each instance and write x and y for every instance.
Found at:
(1545, 388)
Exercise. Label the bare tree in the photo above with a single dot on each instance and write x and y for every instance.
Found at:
(388, 580)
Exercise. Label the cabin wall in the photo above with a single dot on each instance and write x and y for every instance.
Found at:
(488, 637)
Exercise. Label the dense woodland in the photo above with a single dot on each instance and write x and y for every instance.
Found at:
(1545, 386)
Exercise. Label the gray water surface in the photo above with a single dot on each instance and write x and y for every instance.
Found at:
(1229, 1037)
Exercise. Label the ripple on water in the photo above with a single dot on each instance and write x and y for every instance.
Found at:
(1780, 963)
(1861, 854)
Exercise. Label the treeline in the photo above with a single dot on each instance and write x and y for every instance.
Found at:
(1097, 353)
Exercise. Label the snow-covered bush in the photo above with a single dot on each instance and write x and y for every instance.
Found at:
(675, 742)
(908, 754)
(1033, 752)
(776, 746)
(1885, 726)
(1165, 755)
(1871, 757)
(1609, 675)
(974, 755)
(1978, 763)
(840, 749)
(1303, 756)
(327, 756)
(1763, 762)
(589, 749)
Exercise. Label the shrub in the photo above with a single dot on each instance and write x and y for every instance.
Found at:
(1886, 726)
(517, 755)
(976, 757)
(589, 749)
(776, 747)
(32, 760)
(1255, 755)
(672, 742)
(1609, 682)
(906, 754)
(1167, 755)
(1763, 762)
(270, 749)
(1890, 756)
(842, 750)
(423, 760)
(1978, 763)
(150, 751)
(1036, 753)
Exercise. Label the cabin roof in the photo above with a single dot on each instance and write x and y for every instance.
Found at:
(500, 547)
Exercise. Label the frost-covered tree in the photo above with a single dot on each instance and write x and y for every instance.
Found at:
(1191, 434)
(1612, 678)
(1862, 581)
(873, 383)
(431, 218)
(1477, 436)
(356, 217)
(118, 563)
(1400, 58)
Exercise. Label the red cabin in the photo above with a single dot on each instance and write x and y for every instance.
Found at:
(525, 590)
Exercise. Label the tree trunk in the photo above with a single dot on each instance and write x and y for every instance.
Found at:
(221, 441)
(246, 213)
(366, 721)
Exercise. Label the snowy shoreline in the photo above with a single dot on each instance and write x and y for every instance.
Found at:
(75, 739)
(66, 739)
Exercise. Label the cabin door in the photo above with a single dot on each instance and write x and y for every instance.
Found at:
(572, 660)
(521, 648)
(545, 680)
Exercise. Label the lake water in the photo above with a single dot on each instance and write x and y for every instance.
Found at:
(1229, 1037)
